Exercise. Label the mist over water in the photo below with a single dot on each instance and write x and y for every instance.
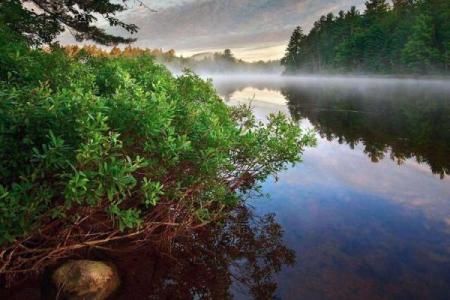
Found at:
(365, 83)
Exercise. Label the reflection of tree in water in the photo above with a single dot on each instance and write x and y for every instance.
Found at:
(245, 249)
(401, 123)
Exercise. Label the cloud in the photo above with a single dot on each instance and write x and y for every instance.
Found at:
(241, 24)
(256, 29)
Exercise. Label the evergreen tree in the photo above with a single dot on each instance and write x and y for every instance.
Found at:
(378, 7)
(292, 57)
(419, 53)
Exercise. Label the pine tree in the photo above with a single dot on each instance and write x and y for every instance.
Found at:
(419, 53)
(377, 7)
(292, 57)
(40, 21)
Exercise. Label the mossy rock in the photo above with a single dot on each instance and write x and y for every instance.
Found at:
(86, 280)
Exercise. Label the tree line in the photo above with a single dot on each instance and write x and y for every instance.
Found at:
(407, 36)
(208, 62)
(128, 51)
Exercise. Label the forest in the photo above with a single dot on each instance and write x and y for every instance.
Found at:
(407, 36)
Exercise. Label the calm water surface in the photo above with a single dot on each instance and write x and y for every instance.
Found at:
(365, 216)
(367, 213)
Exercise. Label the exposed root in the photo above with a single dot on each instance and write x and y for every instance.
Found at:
(57, 240)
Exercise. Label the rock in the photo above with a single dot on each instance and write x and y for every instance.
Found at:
(86, 280)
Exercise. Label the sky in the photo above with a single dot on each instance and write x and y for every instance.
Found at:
(252, 29)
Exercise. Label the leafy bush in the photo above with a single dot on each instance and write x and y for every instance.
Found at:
(121, 136)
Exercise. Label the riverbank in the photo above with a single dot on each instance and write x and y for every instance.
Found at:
(108, 153)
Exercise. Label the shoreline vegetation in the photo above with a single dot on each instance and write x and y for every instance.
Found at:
(111, 153)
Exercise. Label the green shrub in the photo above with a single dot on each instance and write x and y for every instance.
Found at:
(122, 135)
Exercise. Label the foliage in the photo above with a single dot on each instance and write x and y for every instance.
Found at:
(409, 36)
(419, 53)
(115, 139)
(42, 20)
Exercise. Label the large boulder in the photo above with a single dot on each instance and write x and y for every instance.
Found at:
(86, 280)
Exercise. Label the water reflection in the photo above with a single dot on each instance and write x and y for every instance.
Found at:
(394, 122)
(238, 257)
(361, 242)
(399, 119)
